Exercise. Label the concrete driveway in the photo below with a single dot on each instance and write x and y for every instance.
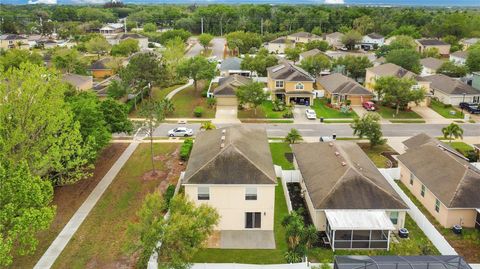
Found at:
(299, 115)
(360, 110)
(226, 114)
(429, 115)
(217, 46)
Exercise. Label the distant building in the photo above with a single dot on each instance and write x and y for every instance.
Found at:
(340, 88)
(425, 44)
(233, 66)
(279, 45)
(459, 57)
(226, 89)
(303, 37)
(102, 68)
(142, 40)
(79, 82)
(13, 41)
(310, 53)
(468, 42)
(372, 41)
(334, 39)
(451, 91)
(112, 29)
(430, 65)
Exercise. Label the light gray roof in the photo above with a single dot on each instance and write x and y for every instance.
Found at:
(310, 53)
(452, 179)
(244, 158)
(232, 63)
(280, 40)
(432, 63)
(460, 54)
(375, 36)
(11, 37)
(339, 175)
(289, 72)
(340, 84)
(390, 69)
(335, 35)
(123, 36)
(304, 34)
(228, 86)
(448, 85)
(76, 80)
(471, 41)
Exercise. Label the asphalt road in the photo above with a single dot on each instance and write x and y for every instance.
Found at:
(217, 46)
(342, 130)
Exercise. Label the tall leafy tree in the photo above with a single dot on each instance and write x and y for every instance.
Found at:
(398, 91)
(473, 58)
(98, 45)
(314, 65)
(369, 126)
(69, 61)
(406, 58)
(172, 55)
(15, 57)
(205, 40)
(293, 53)
(363, 24)
(251, 94)
(259, 63)
(450, 69)
(125, 47)
(115, 115)
(355, 67)
(351, 38)
(196, 68)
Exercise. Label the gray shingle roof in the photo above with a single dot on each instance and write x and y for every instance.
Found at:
(76, 80)
(280, 40)
(304, 34)
(101, 64)
(123, 36)
(338, 83)
(390, 69)
(335, 35)
(310, 53)
(233, 63)
(448, 85)
(339, 175)
(11, 37)
(244, 159)
(289, 72)
(375, 36)
(432, 63)
(431, 42)
(228, 86)
(460, 54)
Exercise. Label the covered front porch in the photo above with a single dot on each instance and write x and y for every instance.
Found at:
(358, 229)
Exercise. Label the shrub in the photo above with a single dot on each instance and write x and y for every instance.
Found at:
(288, 114)
(211, 102)
(205, 93)
(186, 149)
(168, 195)
(348, 102)
(198, 111)
(278, 105)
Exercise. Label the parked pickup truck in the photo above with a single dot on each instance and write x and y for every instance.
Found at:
(470, 108)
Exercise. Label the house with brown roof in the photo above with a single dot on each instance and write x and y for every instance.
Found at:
(279, 45)
(290, 83)
(347, 196)
(79, 82)
(225, 91)
(341, 88)
(303, 37)
(309, 53)
(334, 39)
(426, 44)
(451, 91)
(231, 169)
(430, 65)
(442, 180)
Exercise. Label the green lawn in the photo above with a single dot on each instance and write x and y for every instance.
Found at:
(157, 94)
(278, 155)
(444, 110)
(254, 256)
(389, 113)
(322, 110)
(186, 100)
(102, 241)
(263, 111)
(375, 154)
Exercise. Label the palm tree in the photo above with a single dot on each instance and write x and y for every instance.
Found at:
(452, 130)
(208, 125)
(309, 236)
(293, 136)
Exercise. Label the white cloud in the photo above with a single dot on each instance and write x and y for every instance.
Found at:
(335, 2)
(90, 1)
(46, 2)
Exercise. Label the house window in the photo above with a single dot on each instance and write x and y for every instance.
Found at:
(250, 193)
(299, 86)
(253, 220)
(394, 217)
(203, 193)
(476, 99)
(437, 205)
(416, 87)
(422, 192)
(278, 84)
(411, 179)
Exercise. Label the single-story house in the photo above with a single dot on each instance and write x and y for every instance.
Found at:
(309, 53)
(279, 45)
(459, 57)
(11, 41)
(442, 180)
(334, 39)
(341, 88)
(225, 92)
(102, 68)
(469, 41)
(290, 83)
(142, 40)
(303, 37)
(233, 66)
(451, 91)
(430, 65)
(347, 196)
(79, 82)
(379, 61)
(425, 44)
(112, 29)
(231, 170)
(372, 41)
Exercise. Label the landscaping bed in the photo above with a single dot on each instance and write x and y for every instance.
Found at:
(264, 111)
(298, 202)
(444, 110)
(323, 110)
(381, 155)
(186, 101)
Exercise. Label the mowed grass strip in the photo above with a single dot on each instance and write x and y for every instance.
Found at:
(102, 241)
(324, 111)
(158, 94)
(186, 100)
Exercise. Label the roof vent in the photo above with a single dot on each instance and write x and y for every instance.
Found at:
(337, 153)
(222, 145)
(223, 138)
(344, 163)
(224, 131)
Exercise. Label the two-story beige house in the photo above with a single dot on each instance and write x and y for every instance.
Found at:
(290, 84)
(442, 180)
(231, 169)
(426, 44)
(13, 41)
(303, 37)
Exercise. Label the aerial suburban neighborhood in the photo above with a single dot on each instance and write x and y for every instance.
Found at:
(218, 134)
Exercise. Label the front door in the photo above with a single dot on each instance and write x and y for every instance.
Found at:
(253, 220)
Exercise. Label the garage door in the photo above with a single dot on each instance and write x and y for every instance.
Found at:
(227, 101)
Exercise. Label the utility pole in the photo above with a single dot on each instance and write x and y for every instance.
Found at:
(202, 24)
(261, 26)
(125, 24)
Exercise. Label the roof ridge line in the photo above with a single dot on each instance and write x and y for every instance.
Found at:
(254, 164)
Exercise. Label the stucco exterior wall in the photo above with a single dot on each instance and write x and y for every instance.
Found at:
(229, 201)
(290, 86)
(453, 99)
(102, 73)
(303, 39)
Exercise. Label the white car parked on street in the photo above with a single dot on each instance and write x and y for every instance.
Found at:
(310, 113)
(180, 131)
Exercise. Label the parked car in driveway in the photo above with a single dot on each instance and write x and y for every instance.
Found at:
(370, 106)
(470, 108)
(180, 131)
(310, 113)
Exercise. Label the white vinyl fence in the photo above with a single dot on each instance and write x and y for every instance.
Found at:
(302, 265)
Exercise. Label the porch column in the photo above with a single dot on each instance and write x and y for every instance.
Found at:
(388, 241)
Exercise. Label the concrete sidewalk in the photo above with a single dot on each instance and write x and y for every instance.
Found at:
(172, 93)
(61, 241)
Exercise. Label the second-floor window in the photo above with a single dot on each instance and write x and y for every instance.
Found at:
(278, 84)
(411, 179)
(299, 86)
(203, 193)
(422, 192)
(250, 193)
(437, 205)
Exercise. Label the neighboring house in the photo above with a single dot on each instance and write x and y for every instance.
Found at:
(112, 29)
(468, 42)
(347, 196)
(279, 45)
(12, 41)
(372, 41)
(442, 180)
(48, 43)
(102, 68)
(379, 61)
(430, 65)
(290, 83)
(303, 37)
(341, 88)
(142, 40)
(394, 261)
(225, 91)
(334, 39)
(451, 91)
(476, 80)
(232, 66)
(79, 82)
(309, 53)
(459, 57)
(231, 170)
(425, 44)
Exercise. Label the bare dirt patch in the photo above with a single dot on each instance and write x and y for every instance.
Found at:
(154, 175)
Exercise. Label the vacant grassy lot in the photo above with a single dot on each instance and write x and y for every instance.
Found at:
(157, 94)
(444, 110)
(278, 155)
(186, 100)
(264, 111)
(322, 110)
(68, 199)
(467, 244)
(102, 241)
(375, 154)
(389, 113)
